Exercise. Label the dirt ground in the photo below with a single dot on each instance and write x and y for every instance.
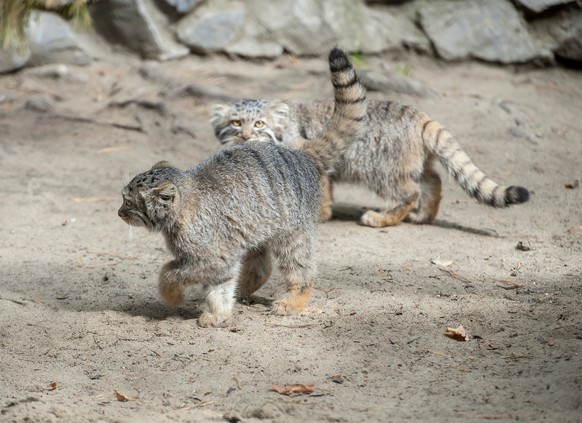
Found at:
(80, 317)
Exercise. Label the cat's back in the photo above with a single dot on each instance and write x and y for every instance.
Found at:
(265, 177)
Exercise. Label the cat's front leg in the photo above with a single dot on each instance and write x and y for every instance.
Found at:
(220, 299)
(172, 283)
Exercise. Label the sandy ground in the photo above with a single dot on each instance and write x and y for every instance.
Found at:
(80, 316)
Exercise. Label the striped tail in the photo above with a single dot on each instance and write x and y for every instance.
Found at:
(348, 121)
(441, 143)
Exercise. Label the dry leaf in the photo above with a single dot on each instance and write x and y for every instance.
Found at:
(290, 390)
(457, 333)
(123, 398)
(445, 262)
(92, 199)
(113, 149)
(572, 185)
(52, 386)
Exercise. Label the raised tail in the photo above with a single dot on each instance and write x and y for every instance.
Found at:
(441, 143)
(347, 122)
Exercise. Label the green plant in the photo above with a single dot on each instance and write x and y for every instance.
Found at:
(404, 70)
(13, 15)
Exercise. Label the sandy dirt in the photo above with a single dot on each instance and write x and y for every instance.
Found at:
(80, 317)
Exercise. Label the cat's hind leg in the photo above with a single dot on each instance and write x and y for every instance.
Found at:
(327, 202)
(430, 198)
(391, 217)
(256, 271)
(296, 264)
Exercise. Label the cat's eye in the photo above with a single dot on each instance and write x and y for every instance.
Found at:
(259, 124)
(235, 122)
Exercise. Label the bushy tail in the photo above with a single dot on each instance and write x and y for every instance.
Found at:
(441, 143)
(348, 120)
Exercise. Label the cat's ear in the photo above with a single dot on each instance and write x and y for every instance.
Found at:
(161, 165)
(220, 113)
(166, 194)
(278, 114)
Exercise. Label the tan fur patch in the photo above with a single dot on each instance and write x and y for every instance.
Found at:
(388, 218)
(294, 302)
(327, 202)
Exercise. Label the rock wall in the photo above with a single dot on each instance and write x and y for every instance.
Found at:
(496, 31)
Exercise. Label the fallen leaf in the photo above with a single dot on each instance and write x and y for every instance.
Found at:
(92, 199)
(445, 262)
(572, 185)
(113, 149)
(458, 333)
(290, 390)
(52, 386)
(124, 398)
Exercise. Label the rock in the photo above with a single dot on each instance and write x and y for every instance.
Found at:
(489, 30)
(266, 28)
(183, 6)
(386, 80)
(541, 6)
(138, 25)
(14, 58)
(51, 40)
(40, 103)
(561, 33)
(212, 27)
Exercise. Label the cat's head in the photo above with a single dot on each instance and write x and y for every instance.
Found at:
(151, 197)
(250, 120)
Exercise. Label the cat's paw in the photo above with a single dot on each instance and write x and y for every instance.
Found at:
(172, 294)
(372, 218)
(209, 320)
(285, 308)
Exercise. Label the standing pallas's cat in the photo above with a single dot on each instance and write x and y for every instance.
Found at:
(393, 158)
(224, 218)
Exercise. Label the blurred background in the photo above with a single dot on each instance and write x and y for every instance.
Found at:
(542, 32)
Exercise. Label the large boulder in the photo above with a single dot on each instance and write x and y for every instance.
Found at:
(51, 40)
(541, 6)
(139, 25)
(13, 58)
(562, 33)
(266, 28)
(489, 30)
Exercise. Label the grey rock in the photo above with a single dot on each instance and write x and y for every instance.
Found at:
(266, 28)
(40, 103)
(51, 40)
(489, 30)
(139, 25)
(13, 58)
(212, 27)
(568, 36)
(561, 33)
(540, 6)
(386, 80)
(183, 6)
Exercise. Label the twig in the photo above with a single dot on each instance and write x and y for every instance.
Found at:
(306, 325)
(200, 404)
(454, 274)
(22, 303)
(506, 284)
(573, 227)
(96, 122)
